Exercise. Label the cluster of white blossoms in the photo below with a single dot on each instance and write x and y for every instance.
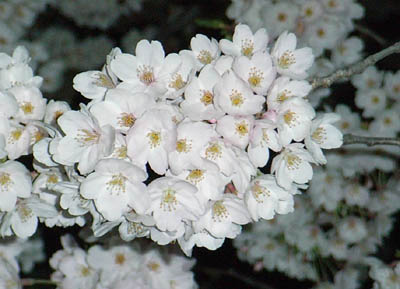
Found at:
(347, 211)
(323, 25)
(119, 266)
(169, 146)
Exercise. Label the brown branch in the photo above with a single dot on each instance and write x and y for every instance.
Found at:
(349, 139)
(355, 68)
(372, 34)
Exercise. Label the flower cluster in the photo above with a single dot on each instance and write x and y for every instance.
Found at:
(169, 145)
(348, 209)
(119, 266)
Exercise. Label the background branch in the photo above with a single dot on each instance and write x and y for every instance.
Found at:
(369, 141)
(215, 272)
(372, 34)
(355, 68)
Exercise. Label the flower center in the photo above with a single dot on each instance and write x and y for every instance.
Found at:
(177, 82)
(117, 184)
(242, 128)
(195, 176)
(52, 179)
(153, 266)
(5, 181)
(290, 118)
(283, 95)
(126, 119)
(205, 57)
(146, 74)
(255, 77)
(247, 47)
(219, 211)
(286, 60)
(24, 212)
(87, 137)
(282, 17)
(213, 151)
(292, 162)
(15, 135)
(169, 201)
(27, 107)
(236, 98)
(104, 81)
(154, 138)
(319, 135)
(259, 192)
(183, 146)
(207, 98)
(120, 259)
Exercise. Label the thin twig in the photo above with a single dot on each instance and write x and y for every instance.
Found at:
(237, 275)
(372, 34)
(355, 68)
(370, 141)
(31, 282)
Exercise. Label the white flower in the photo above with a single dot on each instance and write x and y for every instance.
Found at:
(205, 51)
(235, 129)
(151, 138)
(263, 138)
(54, 110)
(278, 17)
(191, 138)
(244, 42)
(85, 142)
(116, 186)
(284, 89)
(23, 219)
(368, 79)
(73, 270)
(264, 197)
(392, 85)
(15, 181)
(95, 84)
(199, 96)
(208, 179)
(258, 71)
(224, 217)
(373, 101)
(352, 229)
(17, 136)
(323, 135)
(290, 61)
(220, 153)
(173, 202)
(234, 96)
(200, 238)
(32, 105)
(294, 120)
(121, 108)
(113, 264)
(348, 52)
(292, 165)
(148, 71)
